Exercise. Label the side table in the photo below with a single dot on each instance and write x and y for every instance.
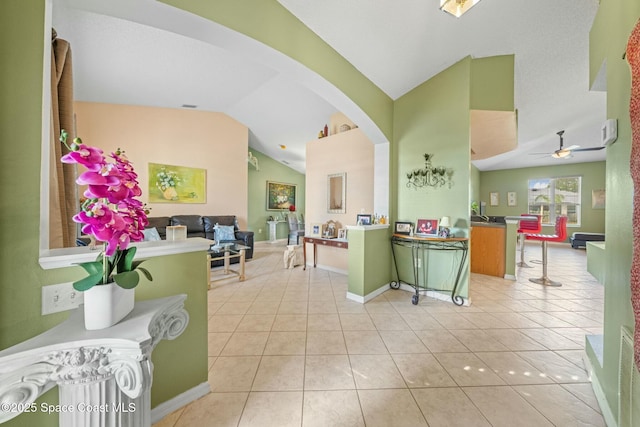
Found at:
(336, 243)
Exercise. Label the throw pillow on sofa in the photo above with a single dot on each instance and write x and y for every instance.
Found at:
(224, 232)
(151, 234)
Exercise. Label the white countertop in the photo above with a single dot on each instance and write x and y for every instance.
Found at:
(67, 257)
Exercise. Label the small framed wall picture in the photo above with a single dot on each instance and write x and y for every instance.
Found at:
(427, 227)
(403, 227)
(494, 199)
(512, 198)
(363, 219)
(598, 199)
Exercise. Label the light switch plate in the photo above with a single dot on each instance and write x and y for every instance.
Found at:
(60, 297)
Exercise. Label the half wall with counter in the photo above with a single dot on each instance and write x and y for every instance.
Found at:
(369, 261)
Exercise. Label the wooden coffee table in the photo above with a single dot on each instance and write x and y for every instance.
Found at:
(226, 251)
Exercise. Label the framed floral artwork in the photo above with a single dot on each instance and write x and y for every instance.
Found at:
(280, 196)
(177, 184)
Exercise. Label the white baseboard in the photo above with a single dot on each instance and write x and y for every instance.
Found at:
(369, 296)
(165, 408)
(607, 413)
(510, 277)
(433, 294)
(403, 287)
(328, 268)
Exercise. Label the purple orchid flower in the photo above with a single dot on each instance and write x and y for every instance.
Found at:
(111, 213)
(89, 157)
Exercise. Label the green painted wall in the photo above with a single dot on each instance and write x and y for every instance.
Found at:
(474, 186)
(270, 23)
(366, 248)
(492, 83)
(178, 274)
(434, 118)
(503, 181)
(22, 38)
(608, 40)
(270, 170)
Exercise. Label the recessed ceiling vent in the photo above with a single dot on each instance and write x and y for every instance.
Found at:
(189, 106)
(285, 162)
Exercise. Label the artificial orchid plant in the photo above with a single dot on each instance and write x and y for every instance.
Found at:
(111, 214)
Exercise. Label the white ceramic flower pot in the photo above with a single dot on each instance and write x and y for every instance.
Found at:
(106, 305)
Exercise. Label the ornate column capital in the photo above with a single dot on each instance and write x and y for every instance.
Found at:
(69, 355)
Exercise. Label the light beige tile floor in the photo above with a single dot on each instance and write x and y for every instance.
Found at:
(286, 348)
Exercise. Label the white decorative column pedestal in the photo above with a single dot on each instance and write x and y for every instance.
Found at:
(273, 228)
(104, 376)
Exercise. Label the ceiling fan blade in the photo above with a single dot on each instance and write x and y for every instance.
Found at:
(589, 149)
(571, 148)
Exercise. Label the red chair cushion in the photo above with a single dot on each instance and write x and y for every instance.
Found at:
(532, 226)
(561, 232)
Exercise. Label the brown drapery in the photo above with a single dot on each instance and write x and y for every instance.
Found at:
(633, 58)
(62, 190)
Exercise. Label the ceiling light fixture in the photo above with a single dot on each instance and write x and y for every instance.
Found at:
(457, 7)
(560, 154)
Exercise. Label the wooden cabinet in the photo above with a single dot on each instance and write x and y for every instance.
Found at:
(488, 250)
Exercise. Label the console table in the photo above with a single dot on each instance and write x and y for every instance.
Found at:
(336, 243)
(104, 376)
(419, 245)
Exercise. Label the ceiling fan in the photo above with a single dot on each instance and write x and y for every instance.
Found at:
(564, 152)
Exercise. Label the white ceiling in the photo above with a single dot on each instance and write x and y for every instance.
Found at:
(143, 52)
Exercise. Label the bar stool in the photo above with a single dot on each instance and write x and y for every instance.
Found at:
(560, 236)
(528, 226)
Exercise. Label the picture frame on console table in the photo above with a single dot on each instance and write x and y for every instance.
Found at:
(316, 229)
(402, 227)
(427, 227)
(342, 233)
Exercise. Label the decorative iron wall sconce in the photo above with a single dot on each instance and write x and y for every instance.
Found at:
(429, 176)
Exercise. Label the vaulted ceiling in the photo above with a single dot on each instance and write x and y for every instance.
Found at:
(143, 52)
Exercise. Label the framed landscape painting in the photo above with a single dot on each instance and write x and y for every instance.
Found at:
(177, 184)
(280, 196)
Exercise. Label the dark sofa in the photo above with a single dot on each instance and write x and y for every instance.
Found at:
(203, 226)
(579, 240)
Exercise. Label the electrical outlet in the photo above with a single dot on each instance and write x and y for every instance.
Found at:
(60, 297)
(260, 231)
